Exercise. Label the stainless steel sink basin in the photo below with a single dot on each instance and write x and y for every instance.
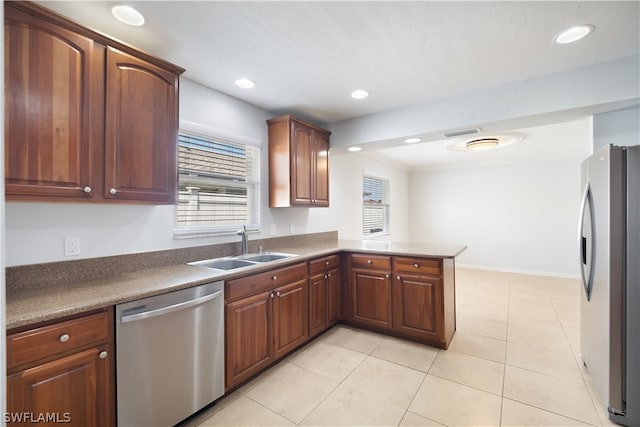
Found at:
(266, 257)
(223, 263)
(246, 260)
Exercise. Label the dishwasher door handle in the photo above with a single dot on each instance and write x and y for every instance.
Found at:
(169, 308)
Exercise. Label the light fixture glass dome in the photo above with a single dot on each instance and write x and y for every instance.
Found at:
(574, 34)
(359, 94)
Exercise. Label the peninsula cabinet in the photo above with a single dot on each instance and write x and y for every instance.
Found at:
(324, 293)
(86, 118)
(371, 290)
(63, 371)
(410, 297)
(267, 316)
(298, 163)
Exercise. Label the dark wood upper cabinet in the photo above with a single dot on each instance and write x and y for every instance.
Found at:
(142, 117)
(298, 163)
(52, 82)
(87, 118)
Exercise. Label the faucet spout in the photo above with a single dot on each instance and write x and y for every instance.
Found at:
(245, 246)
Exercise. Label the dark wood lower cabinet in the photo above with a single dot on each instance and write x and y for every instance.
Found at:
(290, 317)
(324, 293)
(249, 343)
(417, 306)
(62, 373)
(371, 297)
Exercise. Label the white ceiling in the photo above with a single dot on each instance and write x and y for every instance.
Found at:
(306, 57)
(568, 140)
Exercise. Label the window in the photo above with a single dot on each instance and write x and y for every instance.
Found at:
(218, 185)
(375, 210)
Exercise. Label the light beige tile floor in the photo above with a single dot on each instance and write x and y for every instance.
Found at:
(513, 362)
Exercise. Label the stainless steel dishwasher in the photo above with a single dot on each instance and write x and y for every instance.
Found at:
(169, 355)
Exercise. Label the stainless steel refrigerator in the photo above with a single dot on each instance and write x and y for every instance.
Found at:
(609, 246)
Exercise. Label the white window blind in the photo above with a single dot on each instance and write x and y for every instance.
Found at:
(374, 207)
(218, 184)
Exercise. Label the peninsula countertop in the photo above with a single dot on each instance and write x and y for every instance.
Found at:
(28, 306)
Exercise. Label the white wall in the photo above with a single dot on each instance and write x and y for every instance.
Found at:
(519, 217)
(346, 195)
(620, 127)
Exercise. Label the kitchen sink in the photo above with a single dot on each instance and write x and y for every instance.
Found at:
(266, 257)
(246, 260)
(223, 263)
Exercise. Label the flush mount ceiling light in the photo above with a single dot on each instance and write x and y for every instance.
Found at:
(128, 15)
(245, 83)
(486, 142)
(574, 34)
(359, 94)
(412, 140)
(483, 144)
(355, 149)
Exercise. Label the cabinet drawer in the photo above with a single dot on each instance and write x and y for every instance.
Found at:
(319, 265)
(46, 341)
(251, 285)
(371, 261)
(428, 266)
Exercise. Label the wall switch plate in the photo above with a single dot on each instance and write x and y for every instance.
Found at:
(71, 246)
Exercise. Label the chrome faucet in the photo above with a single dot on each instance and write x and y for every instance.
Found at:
(245, 245)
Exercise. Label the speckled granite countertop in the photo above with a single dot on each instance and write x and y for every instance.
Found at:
(31, 305)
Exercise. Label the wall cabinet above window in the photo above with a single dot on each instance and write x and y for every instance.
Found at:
(87, 118)
(298, 163)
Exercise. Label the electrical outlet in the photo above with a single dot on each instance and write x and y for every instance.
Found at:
(71, 246)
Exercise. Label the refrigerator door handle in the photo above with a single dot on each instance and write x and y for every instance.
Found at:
(586, 243)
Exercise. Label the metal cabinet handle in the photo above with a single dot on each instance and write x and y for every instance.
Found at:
(113, 191)
(271, 295)
(87, 189)
(416, 265)
(398, 277)
(326, 263)
(64, 338)
(369, 261)
(274, 278)
(325, 276)
(386, 276)
(328, 275)
(103, 355)
(278, 293)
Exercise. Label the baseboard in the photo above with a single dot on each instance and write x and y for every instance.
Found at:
(519, 271)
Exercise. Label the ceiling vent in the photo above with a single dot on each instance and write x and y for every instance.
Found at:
(461, 132)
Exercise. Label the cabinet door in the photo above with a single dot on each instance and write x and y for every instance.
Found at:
(141, 130)
(73, 390)
(321, 169)
(248, 337)
(371, 296)
(333, 296)
(290, 317)
(53, 90)
(317, 304)
(301, 164)
(418, 306)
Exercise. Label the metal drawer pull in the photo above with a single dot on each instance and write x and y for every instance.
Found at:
(328, 275)
(103, 355)
(369, 261)
(386, 276)
(64, 338)
(113, 191)
(278, 293)
(398, 277)
(271, 295)
(87, 189)
(274, 278)
(326, 263)
(416, 265)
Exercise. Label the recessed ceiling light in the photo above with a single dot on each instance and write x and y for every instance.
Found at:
(359, 94)
(574, 34)
(128, 15)
(245, 83)
(355, 149)
(412, 140)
